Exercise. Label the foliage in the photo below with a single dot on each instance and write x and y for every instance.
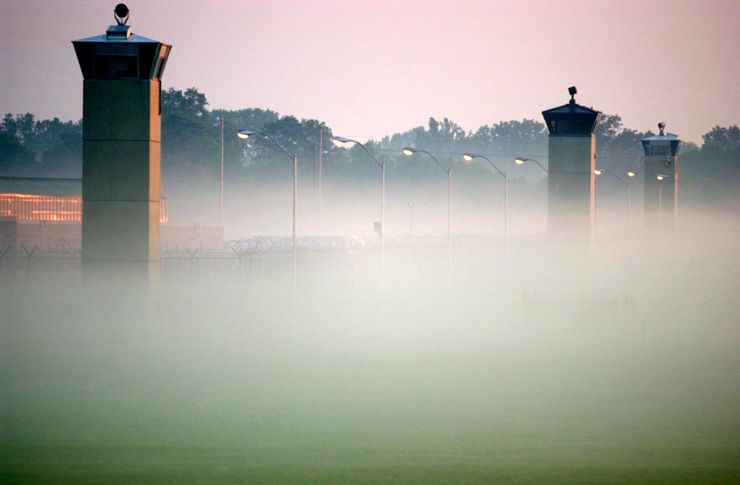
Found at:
(713, 171)
(15, 158)
(248, 119)
(619, 149)
(191, 148)
(189, 103)
(31, 147)
(722, 141)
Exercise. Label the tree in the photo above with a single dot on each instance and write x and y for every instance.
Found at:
(438, 136)
(618, 149)
(299, 137)
(248, 119)
(189, 103)
(49, 147)
(722, 141)
(15, 158)
(511, 138)
(190, 154)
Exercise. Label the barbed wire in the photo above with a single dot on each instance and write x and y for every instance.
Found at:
(193, 248)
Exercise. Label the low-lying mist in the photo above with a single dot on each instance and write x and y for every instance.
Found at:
(618, 357)
(348, 207)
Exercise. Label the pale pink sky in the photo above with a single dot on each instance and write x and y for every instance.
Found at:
(371, 68)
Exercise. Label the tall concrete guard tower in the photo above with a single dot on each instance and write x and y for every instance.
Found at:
(572, 161)
(121, 128)
(661, 179)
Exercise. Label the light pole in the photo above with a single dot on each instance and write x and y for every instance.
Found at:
(341, 142)
(630, 175)
(244, 134)
(320, 182)
(660, 179)
(600, 171)
(522, 161)
(469, 157)
(411, 218)
(220, 123)
(221, 198)
(409, 151)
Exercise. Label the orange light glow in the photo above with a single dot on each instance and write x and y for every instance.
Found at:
(29, 207)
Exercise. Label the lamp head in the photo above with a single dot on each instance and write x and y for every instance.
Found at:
(340, 141)
(520, 161)
(660, 178)
(468, 157)
(408, 151)
(631, 174)
(244, 134)
(598, 171)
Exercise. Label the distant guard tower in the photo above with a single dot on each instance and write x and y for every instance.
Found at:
(121, 128)
(572, 161)
(661, 179)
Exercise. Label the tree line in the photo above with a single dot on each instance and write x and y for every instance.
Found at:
(191, 147)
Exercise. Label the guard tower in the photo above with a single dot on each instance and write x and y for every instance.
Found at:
(661, 179)
(572, 161)
(121, 128)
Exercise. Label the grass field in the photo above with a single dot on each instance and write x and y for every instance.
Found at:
(424, 372)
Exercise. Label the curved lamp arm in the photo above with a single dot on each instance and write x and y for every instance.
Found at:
(599, 171)
(409, 151)
(340, 140)
(244, 134)
(470, 156)
(521, 160)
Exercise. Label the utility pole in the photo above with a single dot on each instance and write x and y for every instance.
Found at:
(319, 193)
(221, 199)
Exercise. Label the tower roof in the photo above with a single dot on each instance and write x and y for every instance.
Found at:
(571, 118)
(661, 144)
(107, 38)
(120, 54)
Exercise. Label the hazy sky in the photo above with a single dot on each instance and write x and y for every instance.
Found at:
(370, 68)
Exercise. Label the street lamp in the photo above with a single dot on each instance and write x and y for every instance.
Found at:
(660, 179)
(522, 161)
(468, 157)
(408, 151)
(245, 134)
(342, 142)
(626, 183)
(319, 193)
(411, 218)
(220, 123)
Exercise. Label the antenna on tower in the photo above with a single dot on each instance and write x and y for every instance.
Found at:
(661, 127)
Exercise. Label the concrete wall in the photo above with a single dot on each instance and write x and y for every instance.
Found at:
(121, 176)
(571, 185)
